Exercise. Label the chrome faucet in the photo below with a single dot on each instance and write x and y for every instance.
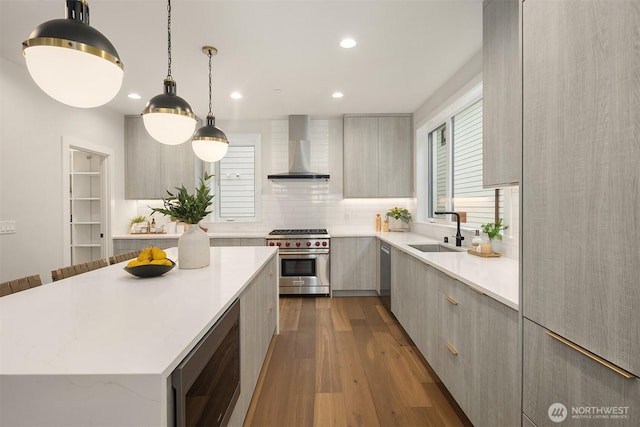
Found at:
(459, 237)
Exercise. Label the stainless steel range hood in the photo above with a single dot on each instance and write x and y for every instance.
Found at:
(299, 152)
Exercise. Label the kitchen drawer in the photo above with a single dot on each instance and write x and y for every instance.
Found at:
(554, 373)
(455, 342)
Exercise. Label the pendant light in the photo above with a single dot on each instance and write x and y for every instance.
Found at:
(167, 117)
(73, 62)
(210, 143)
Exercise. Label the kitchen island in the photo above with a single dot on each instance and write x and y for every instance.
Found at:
(99, 348)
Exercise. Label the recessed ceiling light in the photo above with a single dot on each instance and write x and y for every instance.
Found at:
(134, 96)
(348, 43)
(338, 94)
(236, 95)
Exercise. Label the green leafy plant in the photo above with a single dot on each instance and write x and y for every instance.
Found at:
(399, 213)
(493, 229)
(137, 219)
(185, 207)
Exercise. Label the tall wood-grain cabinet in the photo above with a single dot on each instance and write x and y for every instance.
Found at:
(580, 191)
(378, 156)
(152, 168)
(502, 93)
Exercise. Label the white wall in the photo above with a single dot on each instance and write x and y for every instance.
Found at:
(31, 129)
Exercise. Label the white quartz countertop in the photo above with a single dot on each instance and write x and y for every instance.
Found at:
(495, 277)
(107, 321)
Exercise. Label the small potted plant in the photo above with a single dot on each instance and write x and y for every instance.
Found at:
(399, 219)
(494, 230)
(193, 244)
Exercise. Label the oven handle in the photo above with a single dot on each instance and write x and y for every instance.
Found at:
(284, 254)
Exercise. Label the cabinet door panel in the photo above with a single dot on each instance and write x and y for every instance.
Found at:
(360, 157)
(366, 263)
(580, 265)
(502, 93)
(152, 168)
(343, 263)
(395, 163)
(556, 373)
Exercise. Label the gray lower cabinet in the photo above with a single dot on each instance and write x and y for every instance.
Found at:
(580, 262)
(591, 394)
(121, 246)
(502, 93)
(258, 321)
(377, 154)
(353, 263)
(152, 168)
(225, 241)
(469, 339)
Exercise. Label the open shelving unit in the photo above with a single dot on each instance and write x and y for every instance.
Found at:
(85, 206)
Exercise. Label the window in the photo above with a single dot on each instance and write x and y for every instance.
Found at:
(236, 183)
(455, 167)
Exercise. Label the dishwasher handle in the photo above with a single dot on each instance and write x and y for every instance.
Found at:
(386, 249)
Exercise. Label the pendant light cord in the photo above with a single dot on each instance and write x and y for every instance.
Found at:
(210, 108)
(169, 37)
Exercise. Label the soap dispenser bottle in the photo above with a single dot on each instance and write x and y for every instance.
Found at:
(378, 222)
(476, 242)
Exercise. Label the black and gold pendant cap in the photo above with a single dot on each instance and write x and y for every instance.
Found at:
(169, 102)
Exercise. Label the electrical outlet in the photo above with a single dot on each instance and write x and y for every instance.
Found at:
(7, 227)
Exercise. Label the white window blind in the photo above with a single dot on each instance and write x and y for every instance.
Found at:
(439, 151)
(468, 194)
(237, 188)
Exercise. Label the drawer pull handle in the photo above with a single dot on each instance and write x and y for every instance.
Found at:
(452, 349)
(591, 356)
(451, 300)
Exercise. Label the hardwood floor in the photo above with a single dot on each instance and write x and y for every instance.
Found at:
(345, 362)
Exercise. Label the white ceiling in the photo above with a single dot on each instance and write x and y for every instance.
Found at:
(283, 56)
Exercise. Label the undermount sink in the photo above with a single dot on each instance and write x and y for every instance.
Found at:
(435, 247)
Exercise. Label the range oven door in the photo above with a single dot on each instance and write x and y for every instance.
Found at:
(304, 272)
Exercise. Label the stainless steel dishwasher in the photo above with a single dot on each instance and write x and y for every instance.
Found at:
(385, 275)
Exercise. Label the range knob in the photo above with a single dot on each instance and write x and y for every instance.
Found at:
(287, 244)
(317, 243)
(278, 243)
(308, 243)
(324, 243)
(271, 244)
(298, 244)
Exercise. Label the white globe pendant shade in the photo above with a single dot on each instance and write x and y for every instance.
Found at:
(73, 62)
(169, 118)
(210, 143)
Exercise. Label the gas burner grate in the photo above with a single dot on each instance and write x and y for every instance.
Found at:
(296, 232)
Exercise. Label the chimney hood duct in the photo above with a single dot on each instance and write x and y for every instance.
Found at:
(299, 152)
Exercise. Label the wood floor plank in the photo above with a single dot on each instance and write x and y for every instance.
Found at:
(371, 314)
(327, 370)
(384, 314)
(306, 332)
(416, 365)
(339, 315)
(290, 313)
(358, 401)
(329, 410)
(409, 387)
(448, 415)
(323, 303)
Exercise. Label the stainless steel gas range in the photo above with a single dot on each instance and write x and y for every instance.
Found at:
(305, 267)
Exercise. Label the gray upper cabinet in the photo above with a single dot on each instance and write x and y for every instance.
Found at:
(152, 168)
(502, 93)
(378, 156)
(581, 181)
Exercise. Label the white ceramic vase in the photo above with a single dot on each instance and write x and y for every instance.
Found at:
(193, 248)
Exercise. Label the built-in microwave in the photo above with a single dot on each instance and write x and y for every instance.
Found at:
(206, 384)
